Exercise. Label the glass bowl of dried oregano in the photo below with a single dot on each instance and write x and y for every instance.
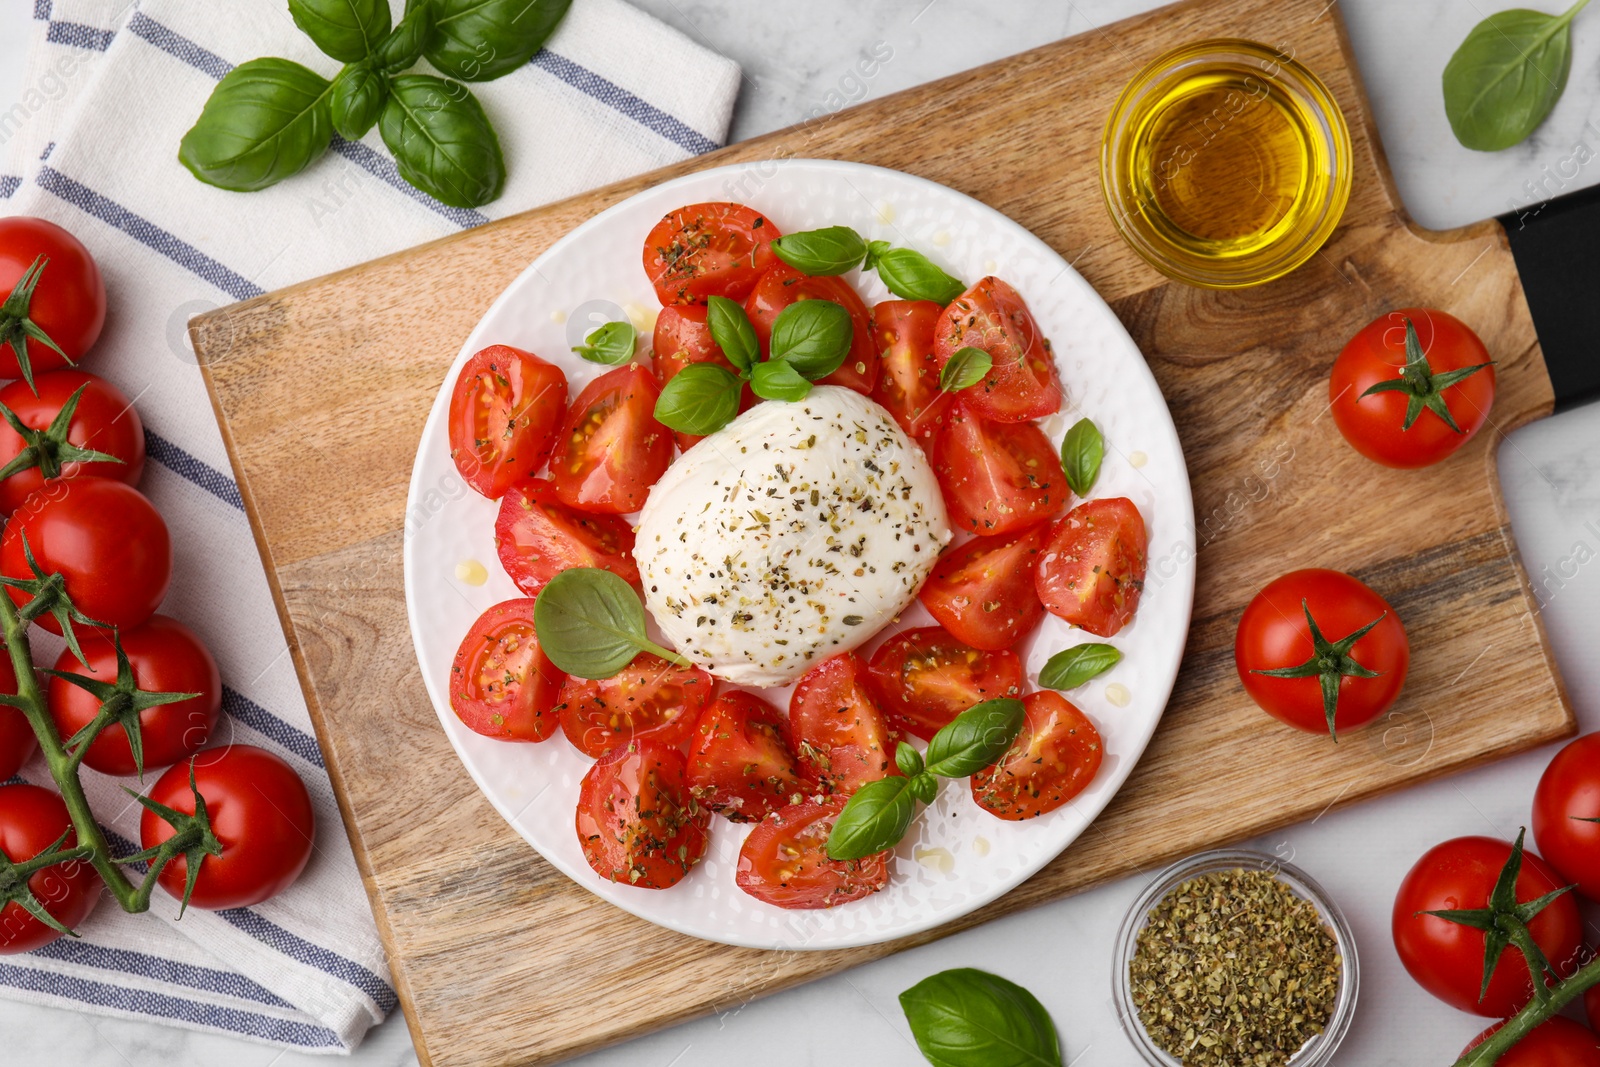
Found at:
(1235, 959)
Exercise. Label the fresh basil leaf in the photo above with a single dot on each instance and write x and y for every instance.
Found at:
(966, 368)
(700, 399)
(1071, 667)
(875, 818)
(1507, 75)
(908, 759)
(911, 275)
(442, 140)
(924, 787)
(347, 30)
(611, 344)
(777, 380)
(591, 624)
(813, 336)
(480, 40)
(399, 51)
(1082, 449)
(875, 249)
(266, 120)
(357, 100)
(821, 253)
(975, 738)
(971, 1018)
(731, 330)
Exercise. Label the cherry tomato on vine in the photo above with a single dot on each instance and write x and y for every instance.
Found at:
(104, 537)
(1275, 636)
(705, 250)
(31, 819)
(637, 822)
(983, 590)
(610, 449)
(502, 684)
(537, 537)
(740, 765)
(648, 700)
(17, 742)
(52, 282)
(1411, 387)
(924, 678)
(504, 411)
(1566, 814)
(836, 729)
(166, 657)
(261, 814)
(783, 285)
(1091, 570)
(102, 420)
(1022, 384)
(997, 477)
(1053, 759)
(785, 861)
(1558, 1042)
(1447, 958)
(908, 380)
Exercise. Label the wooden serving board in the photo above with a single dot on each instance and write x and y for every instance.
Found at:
(486, 940)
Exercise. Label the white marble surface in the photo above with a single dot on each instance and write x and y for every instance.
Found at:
(798, 57)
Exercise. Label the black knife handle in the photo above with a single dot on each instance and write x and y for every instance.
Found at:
(1557, 249)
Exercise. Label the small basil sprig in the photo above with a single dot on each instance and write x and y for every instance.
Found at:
(442, 141)
(878, 814)
(591, 624)
(970, 1018)
(822, 253)
(778, 380)
(700, 399)
(611, 344)
(1071, 667)
(812, 336)
(911, 275)
(833, 250)
(1082, 449)
(1507, 75)
(731, 330)
(966, 368)
(266, 120)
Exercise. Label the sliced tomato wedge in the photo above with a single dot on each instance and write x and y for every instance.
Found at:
(681, 338)
(637, 822)
(997, 477)
(1053, 759)
(1022, 384)
(501, 682)
(983, 590)
(504, 411)
(783, 285)
(705, 250)
(1092, 569)
(610, 449)
(648, 700)
(923, 678)
(538, 537)
(785, 861)
(739, 760)
(908, 377)
(837, 730)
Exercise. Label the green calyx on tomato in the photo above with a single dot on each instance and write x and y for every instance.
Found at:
(49, 593)
(14, 879)
(121, 702)
(16, 328)
(194, 841)
(1330, 662)
(1505, 923)
(1424, 388)
(49, 449)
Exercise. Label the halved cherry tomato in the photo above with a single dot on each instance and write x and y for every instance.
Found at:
(648, 700)
(1559, 1042)
(502, 684)
(783, 285)
(1022, 384)
(31, 819)
(104, 421)
(166, 657)
(739, 762)
(1566, 814)
(983, 591)
(611, 450)
(17, 742)
(837, 730)
(908, 379)
(538, 537)
(785, 861)
(997, 477)
(705, 250)
(504, 412)
(69, 297)
(106, 540)
(1092, 570)
(1053, 759)
(681, 338)
(923, 678)
(637, 821)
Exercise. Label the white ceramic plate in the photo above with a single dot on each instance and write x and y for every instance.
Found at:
(957, 857)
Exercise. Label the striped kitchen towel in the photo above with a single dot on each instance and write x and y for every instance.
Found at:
(111, 88)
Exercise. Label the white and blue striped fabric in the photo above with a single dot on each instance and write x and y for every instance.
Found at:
(92, 145)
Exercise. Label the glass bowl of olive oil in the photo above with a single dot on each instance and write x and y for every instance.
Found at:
(1226, 164)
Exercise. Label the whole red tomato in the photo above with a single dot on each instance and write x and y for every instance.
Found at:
(104, 537)
(1447, 958)
(1275, 636)
(1434, 385)
(31, 819)
(260, 813)
(1566, 814)
(1557, 1043)
(67, 299)
(165, 657)
(102, 420)
(16, 736)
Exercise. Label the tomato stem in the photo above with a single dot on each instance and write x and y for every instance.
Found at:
(1538, 1012)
